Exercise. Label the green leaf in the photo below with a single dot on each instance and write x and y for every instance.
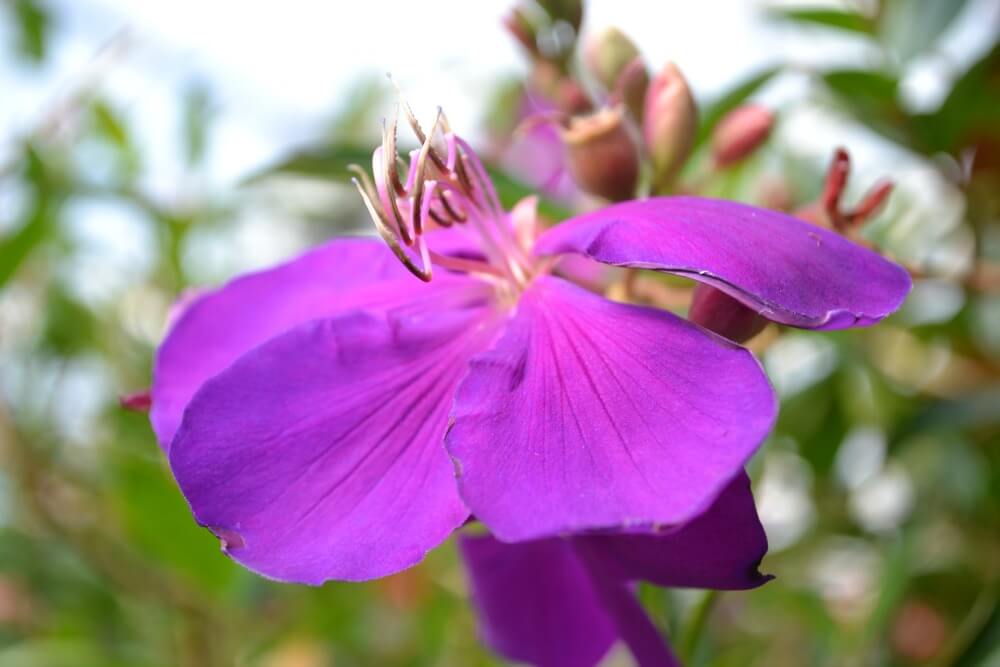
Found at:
(971, 111)
(827, 18)
(109, 125)
(34, 27)
(872, 98)
(38, 224)
(510, 191)
(53, 653)
(714, 111)
(912, 27)
(326, 163)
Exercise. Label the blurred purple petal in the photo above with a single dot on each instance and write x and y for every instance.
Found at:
(721, 548)
(537, 155)
(218, 326)
(318, 454)
(589, 414)
(536, 602)
(786, 269)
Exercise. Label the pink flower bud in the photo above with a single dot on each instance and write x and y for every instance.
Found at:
(717, 311)
(607, 54)
(740, 133)
(138, 401)
(669, 124)
(522, 29)
(603, 158)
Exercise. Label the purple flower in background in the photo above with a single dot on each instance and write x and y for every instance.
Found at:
(316, 415)
(536, 153)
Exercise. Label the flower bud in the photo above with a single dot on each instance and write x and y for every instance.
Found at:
(717, 311)
(607, 54)
(631, 88)
(137, 401)
(570, 11)
(740, 133)
(669, 125)
(603, 158)
(523, 30)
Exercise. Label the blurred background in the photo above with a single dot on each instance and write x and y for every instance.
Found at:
(149, 147)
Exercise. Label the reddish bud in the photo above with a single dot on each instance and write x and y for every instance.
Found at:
(830, 210)
(836, 181)
(602, 155)
(630, 89)
(669, 124)
(139, 401)
(741, 132)
(523, 30)
(717, 311)
(872, 203)
(571, 98)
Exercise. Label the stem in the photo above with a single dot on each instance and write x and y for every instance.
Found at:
(691, 637)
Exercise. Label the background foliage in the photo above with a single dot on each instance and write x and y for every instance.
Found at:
(880, 487)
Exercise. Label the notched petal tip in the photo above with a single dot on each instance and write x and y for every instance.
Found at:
(230, 539)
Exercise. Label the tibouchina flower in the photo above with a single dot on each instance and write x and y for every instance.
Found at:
(334, 418)
(563, 602)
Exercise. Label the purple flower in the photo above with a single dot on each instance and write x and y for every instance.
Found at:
(562, 602)
(316, 415)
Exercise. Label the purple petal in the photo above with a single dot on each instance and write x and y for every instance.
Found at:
(786, 269)
(318, 454)
(589, 414)
(721, 548)
(537, 156)
(216, 327)
(536, 602)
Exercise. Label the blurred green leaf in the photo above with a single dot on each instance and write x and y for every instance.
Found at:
(70, 328)
(109, 125)
(510, 191)
(327, 163)
(893, 582)
(912, 27)
(716, 110)
(983, 650)
(971, 111)
(827, 18)
(34, 26)
(195, 120)
(155, 515)
(38, 223)
(58, 653)
(872, 98)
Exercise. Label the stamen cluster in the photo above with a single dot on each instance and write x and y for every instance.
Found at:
(446, 185)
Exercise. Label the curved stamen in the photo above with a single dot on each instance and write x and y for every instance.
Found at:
(418, 188)
(391, 176)
(455, 215)
(389, 236)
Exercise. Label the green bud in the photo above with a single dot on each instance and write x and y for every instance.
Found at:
(607, 54)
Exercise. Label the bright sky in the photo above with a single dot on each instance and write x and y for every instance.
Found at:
(280, 66)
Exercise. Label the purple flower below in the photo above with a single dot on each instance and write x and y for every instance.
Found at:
(316, 415)
(563, 602)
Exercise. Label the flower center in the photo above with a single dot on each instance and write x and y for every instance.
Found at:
(446, 186)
